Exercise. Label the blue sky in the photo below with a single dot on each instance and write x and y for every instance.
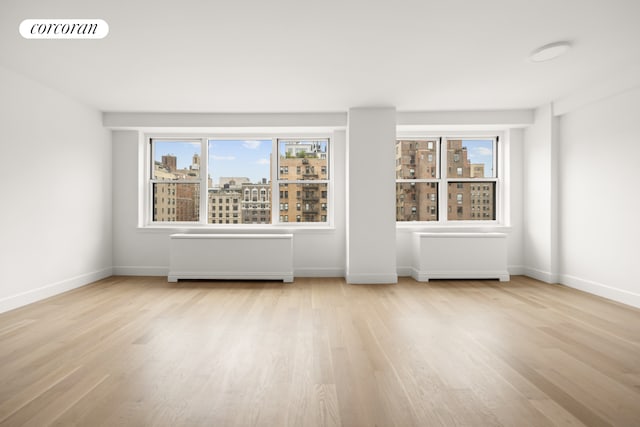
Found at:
(481, 151)
(183, 150)
(240, 158)
(250, 158)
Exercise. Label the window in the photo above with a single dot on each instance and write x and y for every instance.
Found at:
(238, 172)
(175, 172)
(416, 184)
(448, 177)
(201, 180)
(478, 158)
(310, 184)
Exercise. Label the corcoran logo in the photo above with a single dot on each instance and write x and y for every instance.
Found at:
(64, 29)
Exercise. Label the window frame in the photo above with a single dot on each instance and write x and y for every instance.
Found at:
(150, 181)
(500, 168)
(145, 190)
(437, 179)
(328, 181)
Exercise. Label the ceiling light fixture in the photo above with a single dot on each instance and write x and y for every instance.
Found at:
(549, 51)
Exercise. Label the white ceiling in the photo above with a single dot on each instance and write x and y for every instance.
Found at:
(326, 55)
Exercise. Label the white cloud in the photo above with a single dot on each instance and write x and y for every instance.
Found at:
(251, 145)
(263, 162)
(482, 151)
(223, 157)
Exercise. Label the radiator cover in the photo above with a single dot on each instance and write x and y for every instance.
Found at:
(231, 257)
(459, 256)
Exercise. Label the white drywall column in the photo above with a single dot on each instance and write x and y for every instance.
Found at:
(371, 226)
(540, 197)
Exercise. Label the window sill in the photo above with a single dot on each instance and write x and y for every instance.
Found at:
(451, 228)
(236, 228)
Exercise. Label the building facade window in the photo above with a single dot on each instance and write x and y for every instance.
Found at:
(310, 184)
(177, 180)
(416, 185)
(192, 179)
(444, 176)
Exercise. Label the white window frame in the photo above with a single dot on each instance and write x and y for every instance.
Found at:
(500, 168)
(446, 180)
(150, 181)
(329, 180)
(145, 217)
(437, 179)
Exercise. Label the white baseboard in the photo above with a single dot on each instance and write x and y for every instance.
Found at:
(543, 276)
(46, 291)
(422, 276)
(362, 279)
(318, 272)
(602, 290)
(140, 271)
(164, 271)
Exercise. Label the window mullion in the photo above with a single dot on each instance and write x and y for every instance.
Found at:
(149, 206)
(495, 158)
(443, 190)
(204, 183)
(275, 182)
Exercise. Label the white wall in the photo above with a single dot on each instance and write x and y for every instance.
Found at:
(599, 220)
(140, 251)
(515, 209)
(371, 221)
(55, 216)
(540, 244)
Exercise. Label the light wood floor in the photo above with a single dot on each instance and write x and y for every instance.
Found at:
(140, 351)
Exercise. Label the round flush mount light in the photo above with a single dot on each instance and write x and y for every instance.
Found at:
(549, 51)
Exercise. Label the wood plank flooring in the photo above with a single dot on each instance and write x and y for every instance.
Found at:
(318, 352)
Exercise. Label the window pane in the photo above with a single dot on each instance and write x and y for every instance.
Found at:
(417, 201)
(471, 158)
(303, 202)
(176, 160)
(303, 159)
(416, 159)
(176, 202)
(472, 201)
(239, 184)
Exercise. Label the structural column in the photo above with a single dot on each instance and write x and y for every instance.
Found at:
(541, 197)
(371, 226)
